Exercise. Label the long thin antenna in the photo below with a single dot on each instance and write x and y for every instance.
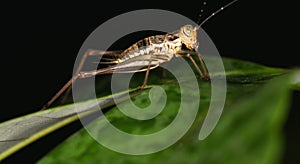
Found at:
(215, 13)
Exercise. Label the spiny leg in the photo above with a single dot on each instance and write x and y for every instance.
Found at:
(206, 75)
(66, 88)
(73, 79)
(188, 53)
(89, 52)
(59, 93)
(195, 64)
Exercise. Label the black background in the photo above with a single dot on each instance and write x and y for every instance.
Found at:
(41, 42)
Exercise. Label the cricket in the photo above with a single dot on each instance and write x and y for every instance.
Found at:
(145, 55)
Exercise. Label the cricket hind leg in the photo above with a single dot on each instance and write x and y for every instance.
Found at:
(66, 89)
(88, 53)
(59, 93)
(79, 75)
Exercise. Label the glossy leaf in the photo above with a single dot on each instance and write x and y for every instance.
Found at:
(248, 131)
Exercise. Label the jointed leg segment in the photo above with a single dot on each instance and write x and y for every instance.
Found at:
(146, 76)
(66, 88)
(186, 53)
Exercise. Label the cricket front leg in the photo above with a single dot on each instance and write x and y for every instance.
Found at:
(187, 53)
(206, 75)
(196, 66)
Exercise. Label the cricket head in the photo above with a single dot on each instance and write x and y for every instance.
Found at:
(188, 36)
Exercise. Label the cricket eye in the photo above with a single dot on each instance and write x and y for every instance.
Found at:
(188, 30)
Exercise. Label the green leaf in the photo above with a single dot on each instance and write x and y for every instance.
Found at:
(248, 131)
(18, 133)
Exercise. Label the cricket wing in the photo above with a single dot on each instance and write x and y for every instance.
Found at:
(106, 57)
(136, 64)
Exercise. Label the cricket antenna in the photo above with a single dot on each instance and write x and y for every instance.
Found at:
(215, 13)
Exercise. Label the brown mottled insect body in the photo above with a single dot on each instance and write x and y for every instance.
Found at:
(158, 49)
(146, 54)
